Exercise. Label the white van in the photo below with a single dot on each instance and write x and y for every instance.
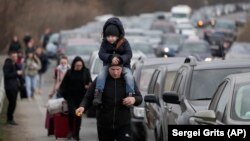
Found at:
(180, 13)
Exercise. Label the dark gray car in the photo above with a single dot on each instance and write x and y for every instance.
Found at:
(142, 72)
(195, 47)
(169, 45)
(161, 81)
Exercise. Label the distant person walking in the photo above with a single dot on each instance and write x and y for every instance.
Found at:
(15, 45)
(46, 37)
(73, 88)
(26, 39)
(11, 84)
(44, 66)
(60, 72)
(30, 46)
(31, 67)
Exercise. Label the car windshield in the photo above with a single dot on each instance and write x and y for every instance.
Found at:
(184, 26)
(80, 49)
(194, 48)
(179, 15)
(145, 79)
(172, 40)
(224, 25)
(210, 80)
(241, 102)
(165, 27)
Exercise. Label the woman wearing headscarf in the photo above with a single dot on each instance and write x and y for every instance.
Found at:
(73, 88)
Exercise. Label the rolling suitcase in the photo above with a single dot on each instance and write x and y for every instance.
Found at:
(61, 125)
(49, 124)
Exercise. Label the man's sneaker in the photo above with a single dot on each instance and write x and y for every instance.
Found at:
(12, 122)
(97, 98)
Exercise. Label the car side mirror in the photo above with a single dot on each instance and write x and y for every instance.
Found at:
(204, 117)
(171, 97)
(150, 98)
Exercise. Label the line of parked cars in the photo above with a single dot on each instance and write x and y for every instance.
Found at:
(181, 93)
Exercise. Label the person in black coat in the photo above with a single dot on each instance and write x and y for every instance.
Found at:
(15, 45)
(11, 84)
(73, 88)
(46, 37)
(114, 49)
(113, 115)
(44, 66)
(27, 38)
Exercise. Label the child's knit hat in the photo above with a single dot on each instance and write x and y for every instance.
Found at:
(112, 30)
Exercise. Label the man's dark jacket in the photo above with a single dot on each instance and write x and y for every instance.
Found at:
(112, 113)
(10, 75)
(15, 47)
(45, 63)
(122, 51)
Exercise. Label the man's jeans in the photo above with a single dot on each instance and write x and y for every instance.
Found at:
(101, 78)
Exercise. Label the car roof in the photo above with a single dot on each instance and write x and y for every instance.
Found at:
(187, 41)
(217, 64)
(171, 67)
(162, 60)
(240, 77)
(225, 21)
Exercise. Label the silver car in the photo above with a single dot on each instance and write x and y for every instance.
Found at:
(230, 104)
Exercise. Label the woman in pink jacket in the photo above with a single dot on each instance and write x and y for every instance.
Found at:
(60, 71)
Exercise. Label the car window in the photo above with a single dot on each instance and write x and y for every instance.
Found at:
(153, 82)
(194, 47)
(180, 89)
(210, 80)
(172, 40)
(145, 79)
(221, 105)
(169, 80)
(217, 95)
(242, 102)
(158, 90)
(177, 80)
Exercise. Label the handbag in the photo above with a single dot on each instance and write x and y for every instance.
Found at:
(58, 105)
